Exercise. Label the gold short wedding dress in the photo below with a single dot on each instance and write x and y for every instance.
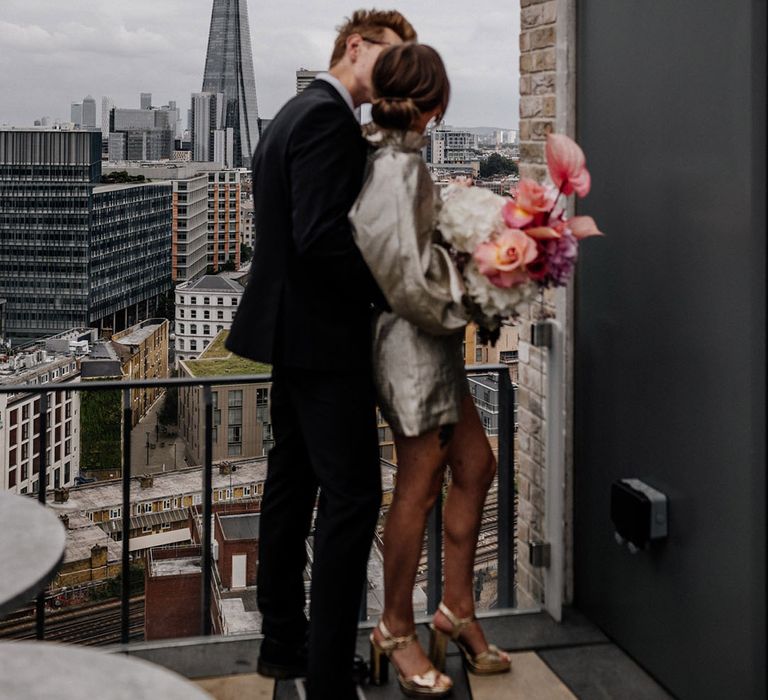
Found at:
(417, 347)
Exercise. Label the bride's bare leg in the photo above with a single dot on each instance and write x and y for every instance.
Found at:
(473, 467)
(421, 463)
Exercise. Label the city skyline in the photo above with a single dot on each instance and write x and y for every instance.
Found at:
(118, 51)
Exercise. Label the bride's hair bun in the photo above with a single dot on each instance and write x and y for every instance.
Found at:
(408, 80)
(394, 112)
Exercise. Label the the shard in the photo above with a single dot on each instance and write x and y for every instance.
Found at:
(229, 70)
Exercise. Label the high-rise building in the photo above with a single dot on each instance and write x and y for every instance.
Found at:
(76, 252)
(207, 214)
(141, 134)
(229, 70)
(224, 219)
(76, 113)
(207, 117)
(146, 100)
(107, 103)
(303, 78)
(89, 112)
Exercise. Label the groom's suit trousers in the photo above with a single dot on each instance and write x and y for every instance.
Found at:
(325, 438)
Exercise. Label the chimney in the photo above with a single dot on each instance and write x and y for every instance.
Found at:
(60, 495)
(146, 480)
(225, 468)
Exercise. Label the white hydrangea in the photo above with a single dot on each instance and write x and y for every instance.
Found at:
(469, 215)
(495, 301)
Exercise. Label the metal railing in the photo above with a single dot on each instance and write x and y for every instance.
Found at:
(507, 515)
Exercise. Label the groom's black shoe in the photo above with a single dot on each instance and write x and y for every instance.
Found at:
(280, 660)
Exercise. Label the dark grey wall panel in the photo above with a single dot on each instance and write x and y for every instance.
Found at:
(670, 334)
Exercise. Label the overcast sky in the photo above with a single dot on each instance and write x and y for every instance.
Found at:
(53, 53)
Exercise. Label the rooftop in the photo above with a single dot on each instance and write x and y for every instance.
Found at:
(103, 495)
(240, 527)
(217, 361)
(212, 283)
(100, 189)
(82, 535)
(138, 334)
(176, 567)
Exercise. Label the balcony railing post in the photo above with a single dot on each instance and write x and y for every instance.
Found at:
(507, 520)
(125, 589)
(435, 554)
(206, 559)
(42, 484)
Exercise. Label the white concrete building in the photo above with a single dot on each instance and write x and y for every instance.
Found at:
(54, 360)
(204, 307)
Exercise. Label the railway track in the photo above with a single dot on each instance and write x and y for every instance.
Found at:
(90, 625)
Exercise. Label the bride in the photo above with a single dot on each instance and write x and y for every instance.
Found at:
(419, 372)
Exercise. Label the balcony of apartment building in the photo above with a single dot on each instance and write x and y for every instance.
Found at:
(630, 526)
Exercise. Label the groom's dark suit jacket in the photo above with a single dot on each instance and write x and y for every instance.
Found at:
(307, 303)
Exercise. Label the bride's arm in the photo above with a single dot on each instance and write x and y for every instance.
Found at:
(393, 223)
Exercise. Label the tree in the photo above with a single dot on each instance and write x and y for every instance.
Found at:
(497, 164)
(246, 252)
(121, 177)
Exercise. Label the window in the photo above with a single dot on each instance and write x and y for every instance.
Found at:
(206, 301)
(206, 314)
(262, 397)
(220, 301)
(193, 301)
(166, 504)
(206, 330)
(234, 301)
(197, 499)
(181, 313)
(234, 450)
(220, 315)
(181, 328)
(193, 329)
(115, 513)
(175, 502)
(193, 313)
(235, 398)
(246, 491)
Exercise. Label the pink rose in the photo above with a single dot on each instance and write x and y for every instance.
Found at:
(566, 163)
(503, 259)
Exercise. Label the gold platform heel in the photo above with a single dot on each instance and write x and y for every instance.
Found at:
(430, 684)
(492, 660)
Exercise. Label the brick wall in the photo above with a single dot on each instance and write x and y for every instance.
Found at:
(546, 105)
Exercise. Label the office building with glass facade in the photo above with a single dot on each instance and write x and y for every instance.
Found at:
(75, 252)
(229, 70)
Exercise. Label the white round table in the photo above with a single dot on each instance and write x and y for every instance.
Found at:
(32, 541)
(50, 671)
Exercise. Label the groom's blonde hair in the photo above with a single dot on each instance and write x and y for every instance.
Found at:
(371, 24)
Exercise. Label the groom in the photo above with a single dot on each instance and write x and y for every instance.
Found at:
(307, 311)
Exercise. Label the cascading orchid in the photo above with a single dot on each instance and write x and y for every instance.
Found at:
(510, 247)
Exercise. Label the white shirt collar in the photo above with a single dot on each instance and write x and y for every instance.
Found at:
(340, 88)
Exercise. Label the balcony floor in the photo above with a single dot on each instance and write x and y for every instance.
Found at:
(551, 661)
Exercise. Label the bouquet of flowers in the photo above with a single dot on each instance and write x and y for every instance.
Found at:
(509, 248)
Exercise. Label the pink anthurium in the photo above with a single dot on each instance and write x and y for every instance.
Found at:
(582, 227)
(542, 232)
(567, 165)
